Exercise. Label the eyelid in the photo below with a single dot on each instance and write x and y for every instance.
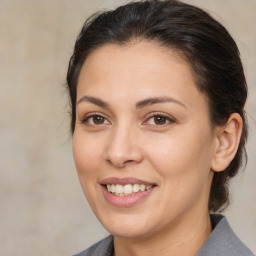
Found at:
(169, 118)
(154, 114)
(92, 114)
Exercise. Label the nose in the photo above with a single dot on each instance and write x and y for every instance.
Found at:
(123, 147)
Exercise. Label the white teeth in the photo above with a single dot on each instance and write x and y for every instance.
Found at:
(128, 189)
(148, 187)
(113, 189)
(136, 188)
(119, 189)
(119, 194)
(142, 187)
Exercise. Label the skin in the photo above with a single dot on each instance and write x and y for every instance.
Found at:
(177, 154)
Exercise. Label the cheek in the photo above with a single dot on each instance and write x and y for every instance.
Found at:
(182, 158)
(183, 167)
(87, 153)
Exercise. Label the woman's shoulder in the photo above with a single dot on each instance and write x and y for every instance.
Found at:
(101, 248)
(223, 241)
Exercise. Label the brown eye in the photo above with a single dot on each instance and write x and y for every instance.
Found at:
(95, 119)
(98, 120)
(160, 120)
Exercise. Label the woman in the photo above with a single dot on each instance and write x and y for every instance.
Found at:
(157, 91)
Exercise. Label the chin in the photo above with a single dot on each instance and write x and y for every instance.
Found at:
(126, 231)
(128, 226)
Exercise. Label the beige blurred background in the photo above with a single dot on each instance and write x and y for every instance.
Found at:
(42, 207)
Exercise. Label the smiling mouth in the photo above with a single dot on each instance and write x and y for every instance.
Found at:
(128, 189)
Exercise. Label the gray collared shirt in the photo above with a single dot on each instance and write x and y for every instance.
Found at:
(222, 242)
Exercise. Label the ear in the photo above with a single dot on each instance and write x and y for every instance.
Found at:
(227, 142)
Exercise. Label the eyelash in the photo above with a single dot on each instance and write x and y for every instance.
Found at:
(168, 119)
(154, 115)
(92, 115)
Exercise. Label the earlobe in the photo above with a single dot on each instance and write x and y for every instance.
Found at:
(227, 142)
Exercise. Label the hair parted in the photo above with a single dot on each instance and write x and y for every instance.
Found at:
(201, 40)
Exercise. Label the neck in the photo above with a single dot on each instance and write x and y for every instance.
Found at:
(173, 240)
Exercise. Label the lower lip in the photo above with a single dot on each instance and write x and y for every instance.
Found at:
(126, 201)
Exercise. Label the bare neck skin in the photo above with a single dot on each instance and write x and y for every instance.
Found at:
(175, 240)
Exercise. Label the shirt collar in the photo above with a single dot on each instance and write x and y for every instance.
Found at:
(223, 241)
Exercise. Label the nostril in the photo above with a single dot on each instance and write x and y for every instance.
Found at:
(116, 162)
(121, 159)
(128, 161)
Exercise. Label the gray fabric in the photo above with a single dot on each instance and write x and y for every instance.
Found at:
(102, 248)
(222, 242)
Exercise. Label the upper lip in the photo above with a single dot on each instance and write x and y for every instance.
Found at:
(124, 181)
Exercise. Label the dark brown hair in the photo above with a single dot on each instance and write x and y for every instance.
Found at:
(195, 35)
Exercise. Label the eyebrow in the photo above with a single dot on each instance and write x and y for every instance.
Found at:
(155, 100)
(139, 104)
(95, 101)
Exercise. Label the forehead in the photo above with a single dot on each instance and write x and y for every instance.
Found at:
(133, 61)
(139, 69)
(136, 52)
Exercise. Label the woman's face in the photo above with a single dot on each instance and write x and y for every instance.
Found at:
(142, 124)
